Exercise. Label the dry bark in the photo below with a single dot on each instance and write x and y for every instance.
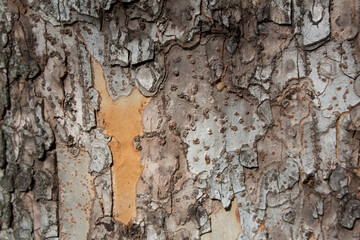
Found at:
(193, 119)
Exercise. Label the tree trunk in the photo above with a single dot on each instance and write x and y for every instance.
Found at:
(190, 119)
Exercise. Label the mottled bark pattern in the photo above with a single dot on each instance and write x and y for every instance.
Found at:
(188, 119)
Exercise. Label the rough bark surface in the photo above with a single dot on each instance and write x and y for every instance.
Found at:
(190, 119)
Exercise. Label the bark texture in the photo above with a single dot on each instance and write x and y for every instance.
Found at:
(190, 119)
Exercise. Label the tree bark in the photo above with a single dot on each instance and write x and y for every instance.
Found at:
(193, 119)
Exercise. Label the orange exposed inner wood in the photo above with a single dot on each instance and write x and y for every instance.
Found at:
(122, 120)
